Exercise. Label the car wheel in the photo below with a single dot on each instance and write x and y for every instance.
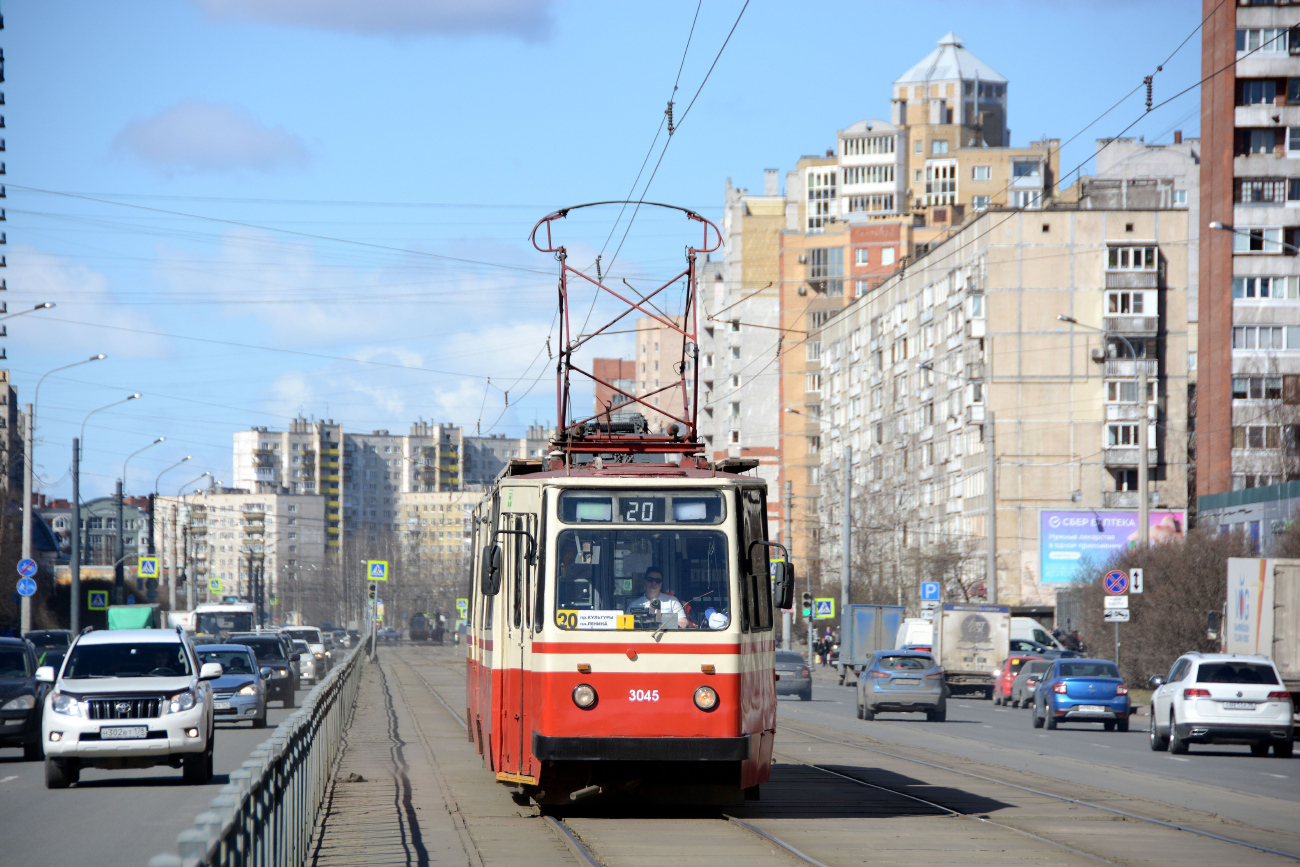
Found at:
(1049, 718)
(1038, 720)
(260, 722)
(939, 714)
(1015, 702)
(33, 752)
(288, 698)
(59, 774)
(1108, 726)
(997, 699)
(1284, 749)
(806, 695)
(1158, 743)
(1259, 749)
(193, 768)
(1121, 725)
(860, 710)
(988, 692)
(868, 713)
(1177, 745)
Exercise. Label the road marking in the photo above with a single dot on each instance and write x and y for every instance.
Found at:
(988, 727)
(1278, 776)
(1102, 746)
(1177, 759)
(13, 777)
(1042, 736)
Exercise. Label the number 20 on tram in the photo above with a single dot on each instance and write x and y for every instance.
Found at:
(621, 633)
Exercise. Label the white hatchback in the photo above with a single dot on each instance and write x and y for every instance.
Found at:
(128, 698)
(1221, 698)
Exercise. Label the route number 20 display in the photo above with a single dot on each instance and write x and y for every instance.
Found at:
(643, 695)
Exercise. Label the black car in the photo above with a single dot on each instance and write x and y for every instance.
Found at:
(22, 698)
(56, 639)
(276, 660)
(1025, 646)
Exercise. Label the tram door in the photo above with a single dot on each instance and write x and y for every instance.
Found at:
(518, 584)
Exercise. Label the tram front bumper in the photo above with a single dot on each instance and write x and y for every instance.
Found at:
(586, 749)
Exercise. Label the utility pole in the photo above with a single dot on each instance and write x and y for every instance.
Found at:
(191, 593)
(990, 446)
(28, 449)
(846, 530)
(1144, 470)
(74, 558)
(119, 567)
(168, 556)
(787, 616)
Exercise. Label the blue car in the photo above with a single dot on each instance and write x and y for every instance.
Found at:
(1082, 690)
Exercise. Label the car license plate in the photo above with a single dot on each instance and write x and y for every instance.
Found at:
(1239, 705)
(1091, 708)
(221, 705)
(907, 681)
(121, 733)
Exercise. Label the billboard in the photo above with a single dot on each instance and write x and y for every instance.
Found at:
(1069, 539)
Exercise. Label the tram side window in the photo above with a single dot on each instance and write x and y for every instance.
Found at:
(539, 570)
(517, 551)
(757, 580)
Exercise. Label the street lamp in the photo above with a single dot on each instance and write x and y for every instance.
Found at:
(46, 306)
(119, 578)
(190, 595)
(1140, 399)
(153, 502)
(29, 460)
(990, 450)
(75, 554)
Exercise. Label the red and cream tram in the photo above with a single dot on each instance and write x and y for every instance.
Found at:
(621, 627)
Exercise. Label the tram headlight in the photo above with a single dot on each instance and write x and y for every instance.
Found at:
(584, 696)
(706, 698)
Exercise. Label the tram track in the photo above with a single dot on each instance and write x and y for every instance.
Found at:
(1126, 814)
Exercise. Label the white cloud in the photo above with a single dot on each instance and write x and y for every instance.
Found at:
(529, 20)
(83, 295)
(199, 136)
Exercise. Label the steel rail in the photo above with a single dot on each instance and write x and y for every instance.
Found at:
(1079, 802)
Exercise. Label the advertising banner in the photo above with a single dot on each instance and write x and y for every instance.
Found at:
(1069, 539)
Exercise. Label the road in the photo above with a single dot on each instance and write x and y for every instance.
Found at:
(112, 818)
(1207, 778)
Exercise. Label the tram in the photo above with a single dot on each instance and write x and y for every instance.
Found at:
(624, 591)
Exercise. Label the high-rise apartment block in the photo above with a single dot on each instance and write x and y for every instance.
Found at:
(1249, 341)
(885, 194)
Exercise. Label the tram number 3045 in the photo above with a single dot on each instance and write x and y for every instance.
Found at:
(643, 695)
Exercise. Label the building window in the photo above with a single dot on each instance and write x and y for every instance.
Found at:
(868, 174)
(1122, 435)
(735, 437)
(813, 382)
(813, 350)
(867, 146)
(1257, 388)
(871, 204)
(1131, 259)
(1180, 198)
(1266, 337)
(1265, 40)
(1256, 141)
(1276, 288)
(1256, 91)
(981, 173)
(735, 325)
(887, 256)
(1257, 241)
(1028, 199)
(1128, 303)
(861, 256)
(939, 146)
(941, 183)
(1125, 391)
(1262, 191)
(1267, 436)
(814, 445)
(820, 198)
(825, 262)
(1024, 170)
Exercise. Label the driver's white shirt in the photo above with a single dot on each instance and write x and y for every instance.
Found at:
(667, 605)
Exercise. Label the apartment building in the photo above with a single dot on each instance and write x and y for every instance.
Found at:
(847, 220)
(305, 459)
(436, 526)
(1249, 323)
(611, 374)
(964, 350)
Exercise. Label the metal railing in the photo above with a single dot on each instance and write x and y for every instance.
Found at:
(266, 814)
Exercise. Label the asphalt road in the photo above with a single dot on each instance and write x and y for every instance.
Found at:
(112, 818)
(1218, 779)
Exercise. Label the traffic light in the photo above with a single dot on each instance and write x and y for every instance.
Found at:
(374, 592)
(807, 604)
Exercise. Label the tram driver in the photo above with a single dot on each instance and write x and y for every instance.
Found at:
(653, 601)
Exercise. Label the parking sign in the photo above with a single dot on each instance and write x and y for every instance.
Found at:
(929, 591)
(377, 570)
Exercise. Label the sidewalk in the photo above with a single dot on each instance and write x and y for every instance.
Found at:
(411, 790)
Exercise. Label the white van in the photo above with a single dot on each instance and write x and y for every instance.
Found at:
(1029, 629)
(914, 631)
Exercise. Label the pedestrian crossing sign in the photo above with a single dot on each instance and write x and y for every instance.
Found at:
(148, 567)
(97, 600)
(823, 609)
(377, 570)
(214, 585)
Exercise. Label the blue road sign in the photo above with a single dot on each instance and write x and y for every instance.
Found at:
(97, 600)
(27, 567)
(823, 609)
(377, 570)
(26, 587)
(930, 591)
(148, 567)
(1116, 583)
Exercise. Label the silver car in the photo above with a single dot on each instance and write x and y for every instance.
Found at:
(796, 678)
(240, 693)
(902, 681)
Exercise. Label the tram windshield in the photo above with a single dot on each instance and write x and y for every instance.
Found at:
(614, 578)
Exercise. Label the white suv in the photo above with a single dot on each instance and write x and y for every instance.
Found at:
(128, 698)
(1221, 698)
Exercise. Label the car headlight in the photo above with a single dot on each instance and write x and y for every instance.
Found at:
(319, 655)
(251, 689)
(584, 696)
(181, 702)
(706, 698)
(278, 674)
(22, 702)
(66, 704)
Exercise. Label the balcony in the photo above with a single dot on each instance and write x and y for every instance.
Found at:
(1132, 279)
(1128, 457)
(1119, 499)
(974, 414)
(1131, 324)
(1127, 367)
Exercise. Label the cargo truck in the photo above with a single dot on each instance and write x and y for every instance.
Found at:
(1263, 615)
(868, 628)
(971, 642)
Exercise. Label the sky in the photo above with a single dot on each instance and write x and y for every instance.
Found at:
(260, 209)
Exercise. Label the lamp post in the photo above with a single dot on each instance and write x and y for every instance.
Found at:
(991, 530)
(153, 500)
(1142, 405)
(191, 598)
(46, 306)
(29, 460)
(75, 558)
(119, 570)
